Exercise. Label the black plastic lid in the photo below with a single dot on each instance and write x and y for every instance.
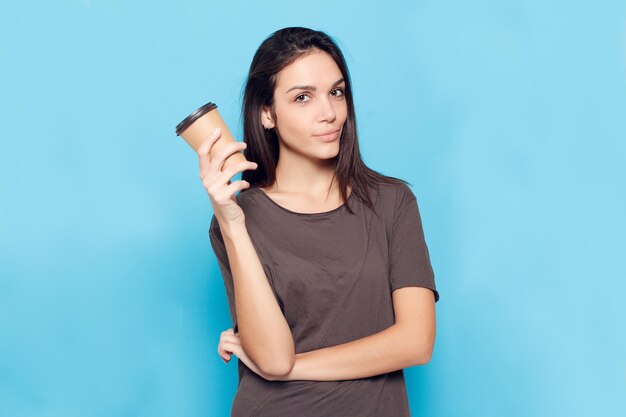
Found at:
(180, 128)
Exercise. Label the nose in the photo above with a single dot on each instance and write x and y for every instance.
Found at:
(327, 111)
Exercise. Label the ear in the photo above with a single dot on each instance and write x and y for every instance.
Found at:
(266, 118)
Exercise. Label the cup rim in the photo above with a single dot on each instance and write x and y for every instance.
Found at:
(187, 121)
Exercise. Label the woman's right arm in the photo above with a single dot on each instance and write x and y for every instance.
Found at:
(265, 335)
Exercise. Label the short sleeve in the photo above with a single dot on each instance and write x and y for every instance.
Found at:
(409, 258)
(219, 248)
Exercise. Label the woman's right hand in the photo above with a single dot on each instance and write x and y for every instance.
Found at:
(217, 182)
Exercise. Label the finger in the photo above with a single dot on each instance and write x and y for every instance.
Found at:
(224, 353)
(232, 348)
(204, 150)
(231, 189)
(229, 172)
(231, 338)
(222, 154)
(207, 144)
(238, 186)
(220, 347)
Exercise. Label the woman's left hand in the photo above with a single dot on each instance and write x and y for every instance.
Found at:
(229, 344)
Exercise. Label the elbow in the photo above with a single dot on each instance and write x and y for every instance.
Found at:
(274, 364)
(424, 357)
(278, 368)
(272, 359)
(423, 353)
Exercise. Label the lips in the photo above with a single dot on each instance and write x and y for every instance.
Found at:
(327, 133)
(328, 138)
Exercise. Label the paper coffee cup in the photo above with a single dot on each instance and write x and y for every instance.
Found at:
(200, 125)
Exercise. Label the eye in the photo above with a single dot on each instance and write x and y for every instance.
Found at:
(339, 89)
(306, 95)
(301, 95)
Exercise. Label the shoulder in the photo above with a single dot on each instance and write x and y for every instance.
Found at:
(393, 200)
(396, 195)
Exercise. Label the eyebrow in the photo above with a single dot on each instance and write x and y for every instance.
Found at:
(312, 87)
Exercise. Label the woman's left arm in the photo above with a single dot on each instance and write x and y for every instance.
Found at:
(408, 342)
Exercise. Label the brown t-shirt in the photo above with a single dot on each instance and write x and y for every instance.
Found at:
(332, 274)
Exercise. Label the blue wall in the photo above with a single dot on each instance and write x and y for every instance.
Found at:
(508, 117)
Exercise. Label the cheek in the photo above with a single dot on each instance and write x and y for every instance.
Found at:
(293, 128)
(294, 124)
(343, 111)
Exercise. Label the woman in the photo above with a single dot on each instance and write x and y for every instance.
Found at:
(327, 273)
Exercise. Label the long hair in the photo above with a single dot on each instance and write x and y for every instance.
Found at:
(277, 51)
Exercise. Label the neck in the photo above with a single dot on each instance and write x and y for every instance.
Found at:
(305, 176)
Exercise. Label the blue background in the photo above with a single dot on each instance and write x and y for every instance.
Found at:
(508, 117)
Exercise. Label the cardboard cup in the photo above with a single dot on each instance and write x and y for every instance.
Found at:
(200, 125)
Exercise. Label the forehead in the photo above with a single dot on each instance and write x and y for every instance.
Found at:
(315, 69)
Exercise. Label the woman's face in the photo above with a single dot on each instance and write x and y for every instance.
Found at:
(309, 101)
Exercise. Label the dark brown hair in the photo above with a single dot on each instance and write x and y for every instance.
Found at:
(277, 51)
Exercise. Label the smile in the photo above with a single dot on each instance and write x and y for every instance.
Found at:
(328, 137)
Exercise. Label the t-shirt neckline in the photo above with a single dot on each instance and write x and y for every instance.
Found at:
(319, 214)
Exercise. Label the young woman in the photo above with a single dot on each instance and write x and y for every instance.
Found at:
(326, 270)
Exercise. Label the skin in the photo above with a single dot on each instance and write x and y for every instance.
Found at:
(306, 166)
(304, 173)
(408, 342)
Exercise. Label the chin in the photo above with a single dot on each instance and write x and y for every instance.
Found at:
(329, 153)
